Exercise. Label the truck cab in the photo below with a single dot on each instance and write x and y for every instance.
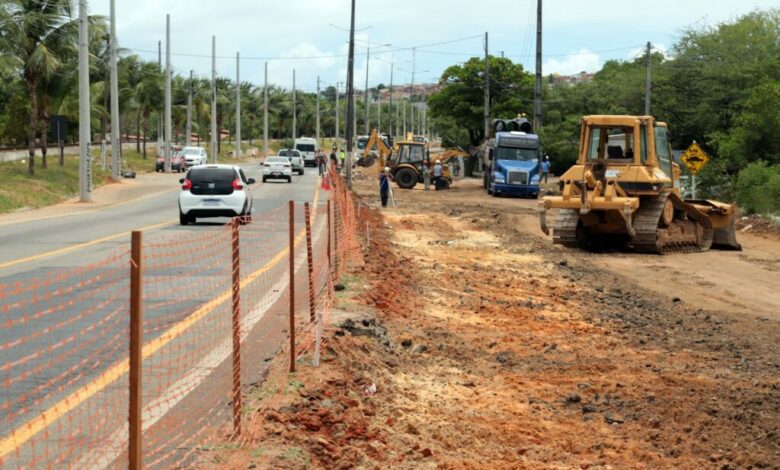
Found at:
(513, 161)
(308, 148)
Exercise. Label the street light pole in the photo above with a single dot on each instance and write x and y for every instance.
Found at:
(238, 105)
(365, 100)
(336, 142)
(85, 169)
(295, 116)
(214, 98)
(351, 94)
(265, 113)
(317, 137)
(167, 93)
(188, 130)
(116, 142)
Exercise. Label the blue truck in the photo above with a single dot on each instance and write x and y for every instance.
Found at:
(512, 159)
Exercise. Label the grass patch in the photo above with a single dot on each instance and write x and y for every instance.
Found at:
(48, 186)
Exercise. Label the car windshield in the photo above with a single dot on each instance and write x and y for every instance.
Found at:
(191, 151)
(276, 160)
(289, 153)
(305, 147)
(510, 153)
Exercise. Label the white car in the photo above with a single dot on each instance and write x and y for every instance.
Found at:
(295, 157)
(194, 156)
(278, 168)
(308, 148)
(214, 191)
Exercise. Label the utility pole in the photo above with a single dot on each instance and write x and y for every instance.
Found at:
(397, 120)
(238, 106)
(317, 137)
(390, 108)
(116, 137)
(538, 87)
(351, 94)
(295, 116)
(265, 113)
(214, 98)
(647, 81)
(404, 106)
(188, 130)
(168, 93)
(486, 116)
(160, 111)
(336, 142)
(379, 115)
(411, 91)
(85, 168)
(365, 100)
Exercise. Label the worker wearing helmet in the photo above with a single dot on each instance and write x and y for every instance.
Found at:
(384, 185)
(438, 171)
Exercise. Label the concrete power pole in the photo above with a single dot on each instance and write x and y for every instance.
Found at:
(411, 91)
(85, 160)
(336, 142)
(365, 100)
(390, 106)
(317, 137)
(238, 106)
(160, 111)
(116, 136)
(647, 81)
(188, 130)
(168, 131)
(397, 116)
(351, 94)
(538, 87)
(486, 116)
(404, 134)
(214, 136)
(295, 115)
(265, 113)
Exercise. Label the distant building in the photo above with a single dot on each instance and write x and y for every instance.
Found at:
(557, 79)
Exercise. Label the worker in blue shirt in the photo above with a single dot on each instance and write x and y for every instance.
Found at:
(544, 169)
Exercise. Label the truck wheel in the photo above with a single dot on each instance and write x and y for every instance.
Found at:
(406, 178)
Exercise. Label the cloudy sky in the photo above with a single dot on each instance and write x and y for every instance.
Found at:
(306, 35)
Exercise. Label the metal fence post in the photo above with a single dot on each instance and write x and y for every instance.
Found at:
(236, 317)
(310, 259)
(135, 461)
(292, 286)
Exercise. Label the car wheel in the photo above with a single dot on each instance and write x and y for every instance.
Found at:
(183, 219)
(289, 179)
(263, 179)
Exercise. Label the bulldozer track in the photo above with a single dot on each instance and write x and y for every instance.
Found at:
(565, 228)
(648, 239)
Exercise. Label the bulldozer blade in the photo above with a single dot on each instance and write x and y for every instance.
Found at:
(726, 239)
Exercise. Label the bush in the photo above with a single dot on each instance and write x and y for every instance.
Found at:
(758, 188)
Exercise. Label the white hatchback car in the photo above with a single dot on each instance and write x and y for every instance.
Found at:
(194, 156)
(214, 191)
(277, 167)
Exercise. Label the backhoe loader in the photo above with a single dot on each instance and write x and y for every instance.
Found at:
(624, 191)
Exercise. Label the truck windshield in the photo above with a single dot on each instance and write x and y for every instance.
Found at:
(361, 143)
(523, 155)
(305, 147)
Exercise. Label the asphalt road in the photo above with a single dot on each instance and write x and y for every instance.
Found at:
(40, 249)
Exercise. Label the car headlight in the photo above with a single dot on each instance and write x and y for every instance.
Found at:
(499, 178)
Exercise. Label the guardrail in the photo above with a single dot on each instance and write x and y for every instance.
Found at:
(138, 358)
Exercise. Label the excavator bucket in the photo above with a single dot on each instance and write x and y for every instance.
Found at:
(724, 219)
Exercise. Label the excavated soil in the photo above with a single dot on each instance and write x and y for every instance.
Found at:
(467, 340)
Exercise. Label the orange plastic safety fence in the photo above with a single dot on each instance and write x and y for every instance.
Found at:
(64, 357)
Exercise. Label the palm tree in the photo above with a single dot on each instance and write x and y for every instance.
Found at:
(149, 93)
(34, 30)
(131, 71)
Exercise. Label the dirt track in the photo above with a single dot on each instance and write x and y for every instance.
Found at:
(472, 342)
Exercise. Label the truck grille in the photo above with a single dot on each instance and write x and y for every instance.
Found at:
(518, 177)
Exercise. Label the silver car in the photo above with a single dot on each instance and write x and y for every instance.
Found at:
(295, 158)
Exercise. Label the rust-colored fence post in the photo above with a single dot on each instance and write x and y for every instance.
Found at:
(135, 460)
(236, 317)
(310, 258)
(336, 219)
(292, 286)
(330, 231)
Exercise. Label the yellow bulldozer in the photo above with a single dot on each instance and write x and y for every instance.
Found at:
(624, 192)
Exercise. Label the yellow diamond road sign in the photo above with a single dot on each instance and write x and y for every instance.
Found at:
(694, 158)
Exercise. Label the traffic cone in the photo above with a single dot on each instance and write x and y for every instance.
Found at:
(326, 181)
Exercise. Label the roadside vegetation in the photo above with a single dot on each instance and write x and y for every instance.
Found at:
(716, 85)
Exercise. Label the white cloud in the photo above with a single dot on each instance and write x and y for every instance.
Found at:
(576, 62)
